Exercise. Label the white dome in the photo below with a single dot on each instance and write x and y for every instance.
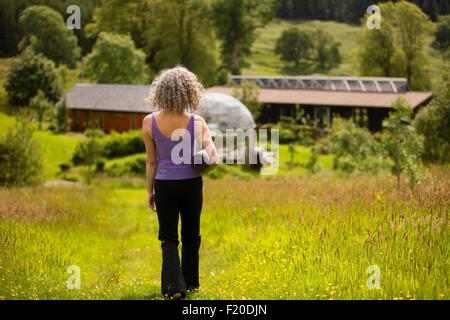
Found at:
(223, 111)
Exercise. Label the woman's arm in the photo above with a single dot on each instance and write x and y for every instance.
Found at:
(151, 159)
(208, 145)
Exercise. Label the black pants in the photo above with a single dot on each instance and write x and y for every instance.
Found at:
(174, 198)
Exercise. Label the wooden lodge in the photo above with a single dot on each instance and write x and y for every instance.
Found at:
(118, 107)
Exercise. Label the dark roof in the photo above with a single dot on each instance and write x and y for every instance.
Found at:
(334, 98)
(109, 97)
(132, 98)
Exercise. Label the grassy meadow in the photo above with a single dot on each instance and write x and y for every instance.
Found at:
(264, 61)
(298, 236)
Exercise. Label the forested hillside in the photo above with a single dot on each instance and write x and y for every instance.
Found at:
(338, 10)
(348, 10)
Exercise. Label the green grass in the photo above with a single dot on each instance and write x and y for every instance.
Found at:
(263, 60)
(55, 148)
(96, 236)
(301, 157)
(280, 238)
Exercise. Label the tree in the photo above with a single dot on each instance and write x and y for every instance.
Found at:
(61, 117)
(442, 36)
(41, 105)
(399, 47)
(403, 145)
(377, 54)
(316, 46)
(236, 23)
(182, 33)
(11, 33)
(433, 122)
(412, 28)
(248, 94)
(123, 17)
(20, 157)
(46, 32)
(170, 32)
(30, 73)
(294, 45)
(115, 59)
(326, 49)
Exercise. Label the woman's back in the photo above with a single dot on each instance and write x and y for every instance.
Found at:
(169, 130)
(169, 122)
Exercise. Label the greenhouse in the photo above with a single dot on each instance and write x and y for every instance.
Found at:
(223, 112)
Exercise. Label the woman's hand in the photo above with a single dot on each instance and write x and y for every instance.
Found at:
(151, 201)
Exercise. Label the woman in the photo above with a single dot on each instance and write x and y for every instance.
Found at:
(174, 187)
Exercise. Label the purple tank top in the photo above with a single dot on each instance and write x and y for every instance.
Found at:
(166, 169)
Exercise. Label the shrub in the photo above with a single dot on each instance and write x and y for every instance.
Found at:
(355, 149)
(124, 144)
(100, 165)
(297, 130)
(64, 167)
(135, 166)
(115, 145)
(87, 151)
(20, 158)
(287, 135)
(306, 134)
(138, 166)
(313, 164)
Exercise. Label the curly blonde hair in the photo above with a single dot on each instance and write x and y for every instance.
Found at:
(176, 89)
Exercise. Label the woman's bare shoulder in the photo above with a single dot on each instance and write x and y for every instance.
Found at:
(148, 117)
(147, 123)
(199, 119)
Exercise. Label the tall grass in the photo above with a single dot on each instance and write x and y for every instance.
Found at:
(315, 239)
(310, 237)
